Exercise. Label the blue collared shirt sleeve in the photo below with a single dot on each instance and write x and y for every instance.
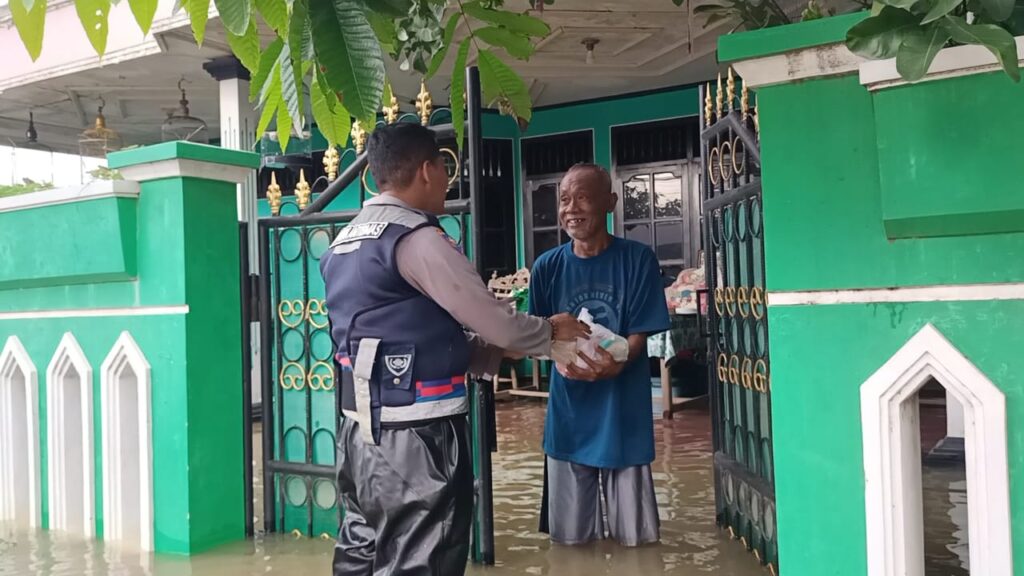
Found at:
(647, 310)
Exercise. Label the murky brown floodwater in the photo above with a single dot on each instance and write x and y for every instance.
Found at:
(691, 544)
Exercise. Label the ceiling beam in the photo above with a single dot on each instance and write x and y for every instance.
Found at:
(76, 101)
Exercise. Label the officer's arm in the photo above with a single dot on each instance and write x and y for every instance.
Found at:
(430, 264)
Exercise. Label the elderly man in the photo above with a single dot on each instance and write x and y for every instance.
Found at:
(599, 433)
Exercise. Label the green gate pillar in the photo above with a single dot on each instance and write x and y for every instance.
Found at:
(188, 226)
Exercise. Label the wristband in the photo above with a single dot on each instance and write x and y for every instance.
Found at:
(554, 329)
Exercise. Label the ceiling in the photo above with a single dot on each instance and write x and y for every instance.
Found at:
(642, 45)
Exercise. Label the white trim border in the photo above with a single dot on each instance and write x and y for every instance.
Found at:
(97, 312)
(949, 63)
(92, 191)
(892, 458)
(185, 168)
(941, 293)
(815, 62)
(13, 358)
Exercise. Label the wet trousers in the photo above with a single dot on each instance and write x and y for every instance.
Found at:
(408, 502)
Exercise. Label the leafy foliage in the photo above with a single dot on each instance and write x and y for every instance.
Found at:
(913, 32)
(332, 52)
(27, 184)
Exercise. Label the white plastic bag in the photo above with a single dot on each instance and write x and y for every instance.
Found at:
(614, 344)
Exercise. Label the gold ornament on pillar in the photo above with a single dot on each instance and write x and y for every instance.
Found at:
(730, 87)
(718, 97)
(274, 195)
(331, 162)
(302, 190)
(745, 102)
(707, 105)
(358, 136)
(424, 104)
(391, 111)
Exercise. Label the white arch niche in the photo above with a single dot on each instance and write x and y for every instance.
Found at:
(70, 474)
(19, 436)
(125, 392)
(892, 458)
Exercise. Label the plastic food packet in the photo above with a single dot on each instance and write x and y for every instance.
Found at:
(616, 345)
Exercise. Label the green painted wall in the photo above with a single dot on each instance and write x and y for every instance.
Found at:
(820, 357)
(176, 245)
(837, 162)
(59, 255)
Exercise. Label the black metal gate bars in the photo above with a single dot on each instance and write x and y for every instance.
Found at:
(300, 412)
(739, 369)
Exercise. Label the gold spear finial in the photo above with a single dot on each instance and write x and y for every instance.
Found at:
(274, 195)
(707, 105)
(730, 87)
(745, 102)
(757, 120)
(331, 162)
(391, 111)
(302, 191)
(358, 136)
(718, 97)
(424, 104)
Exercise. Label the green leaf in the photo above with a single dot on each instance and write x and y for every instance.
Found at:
(904, 4)
(30, 24)
(918, 50)
(998, 10)
(385, 100)
(939, 9)
(880, 36)
(284, 127)
(275, 14)
(518, 23)
(28, 4)
(270, 104)
(234, 14)
(386, 32)
(291, 86)
(198, 14)
(247, 47)
(389, 7)
(517, 46)
(997, 40)
(331, 117)
(458, 98)
(143, 10)
(499, 82)
(260, 79)
(93, 15)
(678, 2)
(350, 54)
(449, 34)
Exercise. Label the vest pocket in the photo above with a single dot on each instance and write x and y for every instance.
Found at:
(397, 363)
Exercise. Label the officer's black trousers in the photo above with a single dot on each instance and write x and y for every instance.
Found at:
(408, 501)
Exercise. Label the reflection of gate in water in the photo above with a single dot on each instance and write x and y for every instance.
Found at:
(739, 368)
(300, 397)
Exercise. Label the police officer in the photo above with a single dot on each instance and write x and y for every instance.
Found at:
(399, 295)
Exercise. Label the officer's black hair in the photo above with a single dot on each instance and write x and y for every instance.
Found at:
(396, 151)
(595, 169)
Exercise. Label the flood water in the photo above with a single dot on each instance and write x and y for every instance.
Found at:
(691, 543)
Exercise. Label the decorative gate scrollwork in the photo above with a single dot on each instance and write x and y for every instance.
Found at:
(740, 375)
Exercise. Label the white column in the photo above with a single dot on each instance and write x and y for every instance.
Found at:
(238, 120)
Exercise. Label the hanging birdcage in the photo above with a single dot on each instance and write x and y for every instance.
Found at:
(99, 140)
(31, 151)
(181, 125)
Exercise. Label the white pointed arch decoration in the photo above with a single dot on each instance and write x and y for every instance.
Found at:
(892, 458)
(125, 408)
(70, 454)
(19, 436)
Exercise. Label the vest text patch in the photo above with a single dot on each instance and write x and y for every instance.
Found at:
(364, 231)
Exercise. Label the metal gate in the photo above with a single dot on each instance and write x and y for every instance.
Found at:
(739, 367)
(300, 397)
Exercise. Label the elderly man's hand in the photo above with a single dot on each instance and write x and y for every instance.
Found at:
(603, 368)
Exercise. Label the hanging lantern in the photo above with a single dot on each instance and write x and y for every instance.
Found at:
(181, 125)
(32, 146)
(98, 141)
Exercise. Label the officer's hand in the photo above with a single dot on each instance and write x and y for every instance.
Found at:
(567, 328)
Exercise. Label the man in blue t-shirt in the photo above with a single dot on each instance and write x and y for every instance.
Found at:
(599, 433)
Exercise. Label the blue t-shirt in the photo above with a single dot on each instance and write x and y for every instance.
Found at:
(605, 424)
